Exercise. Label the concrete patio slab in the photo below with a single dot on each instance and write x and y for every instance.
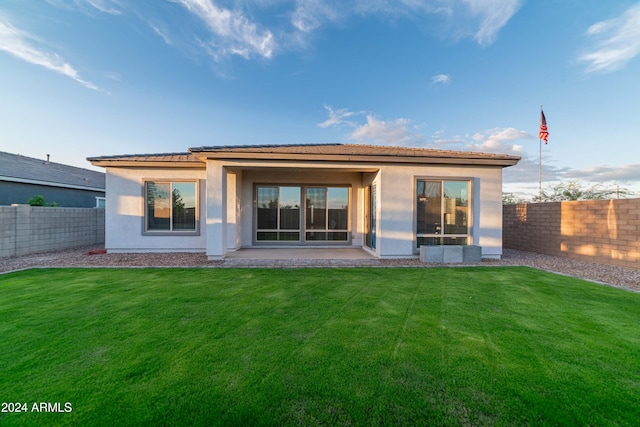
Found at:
(300, 257)
(285, 254)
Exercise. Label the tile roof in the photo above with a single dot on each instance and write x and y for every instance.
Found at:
(159, 157)
(338, 152)
(355, 150)
(19, 168)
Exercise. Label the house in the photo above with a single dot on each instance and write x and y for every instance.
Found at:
(387, 200)
(23, 177)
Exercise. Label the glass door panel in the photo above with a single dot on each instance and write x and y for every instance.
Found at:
(338, 208)
(267, 208)
(429, 207)
(455, 207)
(316, 208)
(327, 214)
(278, 214)
(290, 208)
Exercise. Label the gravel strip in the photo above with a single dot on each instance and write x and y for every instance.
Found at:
(79, 257)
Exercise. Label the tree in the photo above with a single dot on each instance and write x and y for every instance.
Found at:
(511, 199)
(577, 190)
(39, 201)
(176, 199)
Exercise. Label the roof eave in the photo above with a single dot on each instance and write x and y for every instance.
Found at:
(143, 163)
(51, 183)
(352, 158)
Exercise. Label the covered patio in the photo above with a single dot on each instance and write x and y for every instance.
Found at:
(300, 257)
(300, 253)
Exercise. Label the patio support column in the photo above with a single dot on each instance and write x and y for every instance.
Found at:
(231, 211)
(216, 210)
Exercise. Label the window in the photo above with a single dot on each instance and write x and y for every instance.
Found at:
(171, 207)
(278, 214)
(312, 214)
(442, 212)
(327, 214)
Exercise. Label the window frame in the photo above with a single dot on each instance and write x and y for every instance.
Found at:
(278, 220)
(468, 236)
(303, 241)
(327, 218)
(170, 232)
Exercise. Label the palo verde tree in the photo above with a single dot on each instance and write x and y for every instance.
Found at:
(511, 199)
(577, 190)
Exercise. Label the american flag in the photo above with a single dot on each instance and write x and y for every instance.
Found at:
(544, 133)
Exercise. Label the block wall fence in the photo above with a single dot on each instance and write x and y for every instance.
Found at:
(28, 229)
(601, 231)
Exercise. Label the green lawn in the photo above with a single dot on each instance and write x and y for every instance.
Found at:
(442, 346)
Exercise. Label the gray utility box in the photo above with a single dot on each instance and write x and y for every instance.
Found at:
(451, 254)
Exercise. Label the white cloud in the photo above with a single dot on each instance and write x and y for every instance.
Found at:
(261, 29)
(493, 15)
(374, 131)
(112, 7)
(603, 173)
(311, 14)
(480, 19)
(23, 45)
(163, 35)
(395, 132)
(618, 42)
(441, 79)
(114, 76)
(498, 140)
(400, 132)
(104, 6)
(232, 32)
(337, 117)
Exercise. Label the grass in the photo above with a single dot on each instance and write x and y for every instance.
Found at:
(463, 346)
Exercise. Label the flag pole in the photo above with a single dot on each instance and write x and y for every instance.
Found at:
(540, 165)
(542, 134)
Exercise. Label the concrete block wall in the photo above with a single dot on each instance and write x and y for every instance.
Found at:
(602, 231)
(25, 229)
(7, 230)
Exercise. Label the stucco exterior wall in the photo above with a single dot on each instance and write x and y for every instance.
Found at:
(397, 204)
(125, 211)
(227, 213)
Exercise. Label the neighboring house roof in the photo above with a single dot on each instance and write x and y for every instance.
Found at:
(17, 168)
(162, 159)
(310, 152)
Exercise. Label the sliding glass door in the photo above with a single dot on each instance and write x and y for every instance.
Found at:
(327, 214)
(278, 214)
(323, 215)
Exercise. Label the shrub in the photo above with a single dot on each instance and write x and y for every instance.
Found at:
(38, 200)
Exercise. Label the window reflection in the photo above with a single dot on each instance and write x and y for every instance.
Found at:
(442, 209)
(279, 209)
(170, 206)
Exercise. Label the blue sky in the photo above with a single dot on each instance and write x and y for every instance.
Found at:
(84, 78)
